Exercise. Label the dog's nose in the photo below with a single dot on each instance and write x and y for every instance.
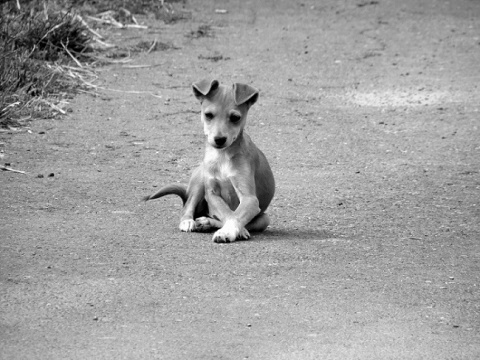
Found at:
(220, 140)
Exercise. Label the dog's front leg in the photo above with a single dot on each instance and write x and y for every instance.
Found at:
(196, 193)
(229, 230)
(233, 221)
(249, 206)
(219, 209)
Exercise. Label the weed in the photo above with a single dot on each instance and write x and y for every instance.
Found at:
(35, 42)
(40, 39)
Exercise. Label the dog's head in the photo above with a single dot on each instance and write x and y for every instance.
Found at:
(224, 110)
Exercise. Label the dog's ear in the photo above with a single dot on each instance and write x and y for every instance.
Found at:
(245, 94)
(202, 88)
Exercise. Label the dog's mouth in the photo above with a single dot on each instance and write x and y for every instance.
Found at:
(216, 146)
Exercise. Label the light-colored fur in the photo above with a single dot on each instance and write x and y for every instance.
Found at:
(234, 185)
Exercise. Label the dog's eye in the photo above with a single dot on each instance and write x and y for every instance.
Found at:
(234, 118)
(209, 116)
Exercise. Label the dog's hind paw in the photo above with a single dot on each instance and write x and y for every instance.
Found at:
(206, 223)
(244, 234)
(187, 225)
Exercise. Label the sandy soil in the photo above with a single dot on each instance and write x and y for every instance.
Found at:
(369, 116)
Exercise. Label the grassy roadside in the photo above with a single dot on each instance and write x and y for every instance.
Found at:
(48, 50)
(42, 47)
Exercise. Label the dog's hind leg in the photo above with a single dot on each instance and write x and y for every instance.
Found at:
(258, 223)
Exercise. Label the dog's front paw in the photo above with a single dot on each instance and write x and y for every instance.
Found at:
(187, 225)
(222, 236)
(230, 232)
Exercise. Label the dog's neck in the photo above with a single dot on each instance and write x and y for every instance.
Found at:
(219, 161)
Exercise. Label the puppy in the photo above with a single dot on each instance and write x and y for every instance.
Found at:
(234, 185)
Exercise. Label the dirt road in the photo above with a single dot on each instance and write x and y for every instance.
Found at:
(369, 113)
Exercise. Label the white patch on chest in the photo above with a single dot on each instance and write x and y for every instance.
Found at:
(219, 168)
(218, 165)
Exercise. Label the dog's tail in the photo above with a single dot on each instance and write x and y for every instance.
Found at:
(173, 189)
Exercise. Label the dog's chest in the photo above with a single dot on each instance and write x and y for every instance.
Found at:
(219, 172)
(219, 166)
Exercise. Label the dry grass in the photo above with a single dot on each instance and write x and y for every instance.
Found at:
(48, 50)
(38, 45)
